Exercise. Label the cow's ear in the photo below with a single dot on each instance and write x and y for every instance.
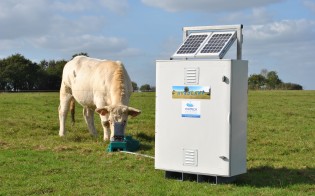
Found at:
(102, 111)
(133, 112)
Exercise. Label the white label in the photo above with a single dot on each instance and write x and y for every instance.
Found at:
(191, 109)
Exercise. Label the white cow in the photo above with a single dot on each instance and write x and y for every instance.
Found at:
(98, 85)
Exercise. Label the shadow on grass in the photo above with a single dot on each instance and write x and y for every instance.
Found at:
(145, 147)
(146, 141)
(145, 137)
(276, 177)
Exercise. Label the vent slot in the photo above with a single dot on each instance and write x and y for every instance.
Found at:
(191, 75)
(190, 157)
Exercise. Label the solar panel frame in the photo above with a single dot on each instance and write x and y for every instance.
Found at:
(191, 45)
(217, 44)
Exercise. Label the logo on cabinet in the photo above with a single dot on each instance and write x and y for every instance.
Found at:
(191, 109)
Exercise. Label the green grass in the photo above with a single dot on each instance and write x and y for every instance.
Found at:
(34, 160)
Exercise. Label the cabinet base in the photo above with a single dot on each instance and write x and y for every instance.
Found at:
(198, 177)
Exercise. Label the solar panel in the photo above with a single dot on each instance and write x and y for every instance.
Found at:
(218, 44)
(191, 45)
(202, 45)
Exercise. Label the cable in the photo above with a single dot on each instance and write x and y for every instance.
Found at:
(144, 155)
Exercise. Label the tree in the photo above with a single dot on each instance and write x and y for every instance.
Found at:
(51, 74)
(256, 82)
(3, 82)
(19, 73)
(80, 54)
(134, 86)
(273, 80)
(290, 86)
(264, 72)
(270, 80)
(186, 89)
(145, 87)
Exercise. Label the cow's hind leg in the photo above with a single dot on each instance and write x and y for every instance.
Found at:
(89, 119)
(65, 98)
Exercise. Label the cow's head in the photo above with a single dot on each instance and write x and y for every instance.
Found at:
(116, 117)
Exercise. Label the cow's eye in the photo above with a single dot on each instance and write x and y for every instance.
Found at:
(106, 123)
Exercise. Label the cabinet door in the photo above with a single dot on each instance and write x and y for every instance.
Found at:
(200, 142)
(214, 155)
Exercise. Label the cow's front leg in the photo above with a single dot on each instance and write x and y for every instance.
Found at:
(89, 119)
(107, 125)
(112, 134)
(106, 128)
(65, 98)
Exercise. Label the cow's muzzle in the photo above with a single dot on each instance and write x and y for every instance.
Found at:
(119, 131)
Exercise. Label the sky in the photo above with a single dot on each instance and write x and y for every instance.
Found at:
(279, 35)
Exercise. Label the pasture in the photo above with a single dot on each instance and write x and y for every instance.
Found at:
(34, 160)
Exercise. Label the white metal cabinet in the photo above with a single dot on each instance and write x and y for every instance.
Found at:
(211, 140)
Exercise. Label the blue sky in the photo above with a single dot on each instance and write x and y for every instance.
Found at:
(279, 35)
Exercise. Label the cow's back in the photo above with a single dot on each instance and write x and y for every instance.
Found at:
(91, 78)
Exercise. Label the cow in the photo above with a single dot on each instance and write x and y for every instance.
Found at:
(98, 85)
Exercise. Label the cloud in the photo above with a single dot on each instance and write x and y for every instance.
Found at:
(285, 46)
(85, 41)
(83, 24)
(34, 18)
(284, 41)
(60, 27)
(255, 16)
(18, 18)
(206, 5)
(95, 45)
(281, 32)
(71, 6)
(7, 44)
(117, 6)
(310, 5)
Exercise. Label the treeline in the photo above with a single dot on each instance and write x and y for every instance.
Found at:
(20, 74)
(269, 80)
(143, 88)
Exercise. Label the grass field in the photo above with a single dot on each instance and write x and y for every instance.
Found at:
(34, 160)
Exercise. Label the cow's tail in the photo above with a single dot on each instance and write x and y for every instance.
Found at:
(72, 110)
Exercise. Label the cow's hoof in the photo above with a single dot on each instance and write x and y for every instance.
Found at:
(106, 139)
